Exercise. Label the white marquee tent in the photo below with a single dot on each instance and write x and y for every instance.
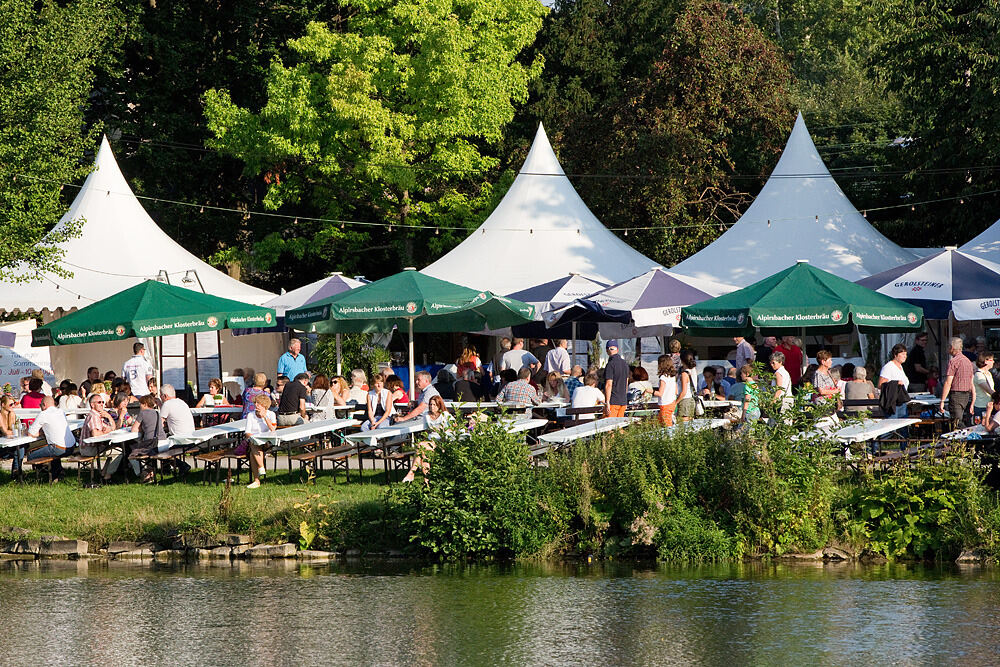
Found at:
(801, 213)
(539, 232)
(119, 246)
(986, 245)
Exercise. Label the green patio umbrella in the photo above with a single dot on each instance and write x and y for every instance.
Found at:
(419, 302)
(801, 297)
(150, 309)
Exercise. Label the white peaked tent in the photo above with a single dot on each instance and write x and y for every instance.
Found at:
(800, 213)
(539, 232)
(986, 245)
(119, 246)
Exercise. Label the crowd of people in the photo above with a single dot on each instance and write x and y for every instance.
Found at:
(526, 372)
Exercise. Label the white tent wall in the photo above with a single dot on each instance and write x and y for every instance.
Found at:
(257, 351)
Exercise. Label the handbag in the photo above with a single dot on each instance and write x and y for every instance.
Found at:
(699, 406)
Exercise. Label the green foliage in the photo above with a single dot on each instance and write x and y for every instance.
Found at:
(481, 498)
(670, 127)
(684, 535)
(49, 54)
(174, 52)
(930, 509)
(387, 115)
(940, 59)
(357, 351)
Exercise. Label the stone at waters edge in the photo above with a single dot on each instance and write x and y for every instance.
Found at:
(972, 556)
(76, 548)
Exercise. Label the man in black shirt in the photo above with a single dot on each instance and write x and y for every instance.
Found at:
(467, 389)
(292, 405)
(916, 361)
(615, 382)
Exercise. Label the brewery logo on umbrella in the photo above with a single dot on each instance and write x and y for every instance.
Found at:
(267, 317)
(411, 307)
(836, 316)
(213, 321)
(740, 318)
(911, 318)
(119, 330)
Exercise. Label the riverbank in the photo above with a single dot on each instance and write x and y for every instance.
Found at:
(694, 497)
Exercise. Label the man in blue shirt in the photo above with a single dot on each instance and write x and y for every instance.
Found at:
(291, 363)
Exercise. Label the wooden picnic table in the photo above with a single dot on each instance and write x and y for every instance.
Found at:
(869, 429)
(203, 435)
(586, 430)
(218, 410)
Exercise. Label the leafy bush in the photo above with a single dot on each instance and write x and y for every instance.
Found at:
(931, 509)
(683, 535)
(357, 351)
(481, 498)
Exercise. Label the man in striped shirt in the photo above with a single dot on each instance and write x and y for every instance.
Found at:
(520, 390)
(958, 386)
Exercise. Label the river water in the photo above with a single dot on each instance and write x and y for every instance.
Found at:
(55, 613)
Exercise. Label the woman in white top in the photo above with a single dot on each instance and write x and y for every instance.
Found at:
(991, 422)
(688, 386)
(380, 409)
(555, 389)
(893, 370)
(70, 400)
(782, 381)
(435, 418)
(666, 390)
(214, 396)
(983, 379)
(261, 420)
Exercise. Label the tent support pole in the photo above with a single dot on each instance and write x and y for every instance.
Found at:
(413, 373)
(339, 364)
(573, 333)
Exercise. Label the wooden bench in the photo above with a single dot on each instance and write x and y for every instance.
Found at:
(311, 462)
(82, 462)
(211, 461)
(42, 464)
(871, 404)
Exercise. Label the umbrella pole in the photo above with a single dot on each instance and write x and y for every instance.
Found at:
(413, 374)
(573, 333)
(339, 371)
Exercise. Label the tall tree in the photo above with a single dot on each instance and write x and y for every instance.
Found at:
(388, 116)
(668, 148)
(174, 52)
(941, 60)
(49, 54)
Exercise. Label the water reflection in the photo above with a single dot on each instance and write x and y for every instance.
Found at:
(58, 612)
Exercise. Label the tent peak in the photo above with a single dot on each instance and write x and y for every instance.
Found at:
(541, 158)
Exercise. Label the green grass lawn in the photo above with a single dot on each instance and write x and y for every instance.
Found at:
(151, 512)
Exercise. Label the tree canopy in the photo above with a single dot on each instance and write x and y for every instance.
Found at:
(390, 115)
(49, 56)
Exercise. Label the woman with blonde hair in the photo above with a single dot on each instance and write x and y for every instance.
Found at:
(468, 360)
(555, 389)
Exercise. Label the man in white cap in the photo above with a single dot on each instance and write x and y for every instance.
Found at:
(615, 382)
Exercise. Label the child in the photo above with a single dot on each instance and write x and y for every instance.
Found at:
(666, 391)
(259, 421)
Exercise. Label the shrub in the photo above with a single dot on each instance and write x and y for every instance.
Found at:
(482, 498)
